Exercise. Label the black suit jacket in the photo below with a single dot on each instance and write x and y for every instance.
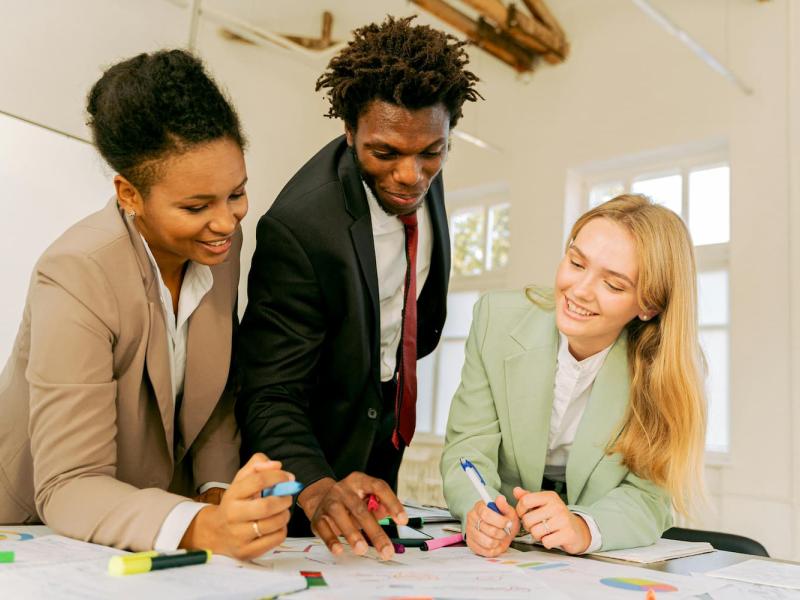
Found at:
(310, 337)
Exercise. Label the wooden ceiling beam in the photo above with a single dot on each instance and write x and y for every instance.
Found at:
(524, 29)
(482, 34)
(540, 11)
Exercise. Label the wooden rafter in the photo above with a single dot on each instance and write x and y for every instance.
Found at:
(482, 34)
(507, 32)
(321, 43)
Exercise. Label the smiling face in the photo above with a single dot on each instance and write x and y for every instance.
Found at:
(596, 287)
(193, 208)
(399, 152)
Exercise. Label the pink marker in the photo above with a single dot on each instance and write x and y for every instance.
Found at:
(441, 542)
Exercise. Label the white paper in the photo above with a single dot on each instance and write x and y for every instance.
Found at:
(58, 567)
(663, 549)
(587, 579)
(750, 591)
(53, 549)
(762, 572)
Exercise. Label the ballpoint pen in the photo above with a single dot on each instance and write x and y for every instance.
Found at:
(479, 484)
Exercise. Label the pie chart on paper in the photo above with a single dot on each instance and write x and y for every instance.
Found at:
(639, 585)
(14, 536)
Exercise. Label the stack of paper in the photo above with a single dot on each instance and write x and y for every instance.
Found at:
(430, 514)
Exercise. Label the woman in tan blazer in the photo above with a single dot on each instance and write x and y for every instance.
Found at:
(116, 406)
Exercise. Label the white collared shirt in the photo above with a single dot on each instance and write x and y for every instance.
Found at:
(390, 260)
(571, 391)
(197, 282)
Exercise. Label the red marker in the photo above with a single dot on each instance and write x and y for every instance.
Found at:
(373, 503)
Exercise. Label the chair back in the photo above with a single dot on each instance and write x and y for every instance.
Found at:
(729, 542)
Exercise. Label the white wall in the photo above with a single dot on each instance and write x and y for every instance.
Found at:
(626, 88)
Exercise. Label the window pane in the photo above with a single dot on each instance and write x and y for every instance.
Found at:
(709, 206)
(605, 191)
(499, 236)
(467, 230)
(712, 295)
(459, 313)
(665, 191)
(425, 367)
(715, 346)
(451, 359)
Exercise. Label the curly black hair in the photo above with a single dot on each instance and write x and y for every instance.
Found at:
(152, 106)
(414, 66)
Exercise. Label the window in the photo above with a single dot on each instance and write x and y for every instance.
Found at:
(696, 185)
(481, 245)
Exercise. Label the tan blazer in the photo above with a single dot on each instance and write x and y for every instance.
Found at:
(89, 439)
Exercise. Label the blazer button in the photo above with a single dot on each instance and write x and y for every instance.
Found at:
(372, 413)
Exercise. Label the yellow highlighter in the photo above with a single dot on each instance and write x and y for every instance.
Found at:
(144, 562)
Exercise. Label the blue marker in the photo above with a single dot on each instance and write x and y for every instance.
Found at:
(284, 488)
(479, 484)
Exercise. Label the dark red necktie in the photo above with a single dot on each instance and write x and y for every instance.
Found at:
(406, 399)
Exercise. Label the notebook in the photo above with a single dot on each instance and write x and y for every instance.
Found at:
(663, 549)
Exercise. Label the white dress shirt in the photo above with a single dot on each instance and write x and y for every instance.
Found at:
(197, 282)
(390, 259)
(571, 391)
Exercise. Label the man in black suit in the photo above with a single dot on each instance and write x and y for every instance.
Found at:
(348, 283)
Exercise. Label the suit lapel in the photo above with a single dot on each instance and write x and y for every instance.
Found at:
(602, 417)
(157, 358)
(209, 338)
(363, 241)
(440, 256)
(530, 375)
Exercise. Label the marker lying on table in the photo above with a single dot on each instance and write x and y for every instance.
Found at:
(441, 542)
(480, 486)
(415, 522)
(145, 562)
(284, 488)
(7, 556)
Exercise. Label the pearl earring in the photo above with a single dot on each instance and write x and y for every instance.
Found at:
(644, 318)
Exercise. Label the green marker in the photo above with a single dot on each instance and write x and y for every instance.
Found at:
(6, 556)
(415, 522)
(145, 562)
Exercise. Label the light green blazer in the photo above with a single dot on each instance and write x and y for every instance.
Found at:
(500, 418)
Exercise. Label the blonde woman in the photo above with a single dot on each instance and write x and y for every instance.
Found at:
(583, 406)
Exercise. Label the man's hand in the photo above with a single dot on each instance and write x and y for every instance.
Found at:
(337, 508)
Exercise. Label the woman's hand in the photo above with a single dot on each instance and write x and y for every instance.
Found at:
(244, 525)
(549, 521)
(489, 533)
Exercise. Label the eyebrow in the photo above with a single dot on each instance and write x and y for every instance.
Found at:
(608, 271)
(212, 196)
(387, 146)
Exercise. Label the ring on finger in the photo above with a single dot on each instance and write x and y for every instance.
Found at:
(256, 530)
(546, 526)
(478, 524)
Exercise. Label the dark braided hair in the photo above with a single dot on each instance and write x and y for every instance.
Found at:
(411, 66)
(151, 106)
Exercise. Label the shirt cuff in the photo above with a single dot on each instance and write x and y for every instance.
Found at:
(597, 540)
(175, 525)
(212, 484)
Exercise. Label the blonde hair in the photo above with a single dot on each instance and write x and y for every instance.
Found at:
(662, 436)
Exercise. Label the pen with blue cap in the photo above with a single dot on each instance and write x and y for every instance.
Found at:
(471, 471)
